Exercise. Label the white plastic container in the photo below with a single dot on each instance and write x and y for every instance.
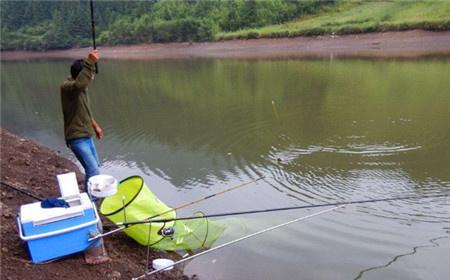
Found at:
(162, 263)
(68, 185)
(102, 185)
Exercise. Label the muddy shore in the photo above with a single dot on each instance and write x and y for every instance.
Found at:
(32, 169)
(407, 44)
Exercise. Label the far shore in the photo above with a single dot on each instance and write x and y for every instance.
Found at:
(406, 44)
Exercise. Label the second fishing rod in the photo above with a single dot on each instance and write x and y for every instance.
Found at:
(283, 209)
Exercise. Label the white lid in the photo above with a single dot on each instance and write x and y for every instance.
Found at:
(162, 263)
(68, 184)
(33, 212)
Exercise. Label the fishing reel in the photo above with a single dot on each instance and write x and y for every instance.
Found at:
(167, 232)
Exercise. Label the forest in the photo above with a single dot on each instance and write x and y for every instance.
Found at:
(45, 25)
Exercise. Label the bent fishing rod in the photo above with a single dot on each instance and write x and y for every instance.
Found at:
(343, 203)
(184, 205)
(93, 31)
(238, 240)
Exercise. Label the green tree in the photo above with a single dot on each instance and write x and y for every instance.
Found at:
(64, 24)
(249, 14)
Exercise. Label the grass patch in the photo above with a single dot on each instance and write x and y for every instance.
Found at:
(348, 17)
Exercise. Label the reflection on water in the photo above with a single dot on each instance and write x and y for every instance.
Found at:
(319, 131)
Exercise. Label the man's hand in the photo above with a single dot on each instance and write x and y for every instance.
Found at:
(98, 130)
(94, 56)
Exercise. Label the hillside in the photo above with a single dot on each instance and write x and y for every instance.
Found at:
(35, 25)
(357, 17)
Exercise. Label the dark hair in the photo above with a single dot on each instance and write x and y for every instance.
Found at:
(76, 68)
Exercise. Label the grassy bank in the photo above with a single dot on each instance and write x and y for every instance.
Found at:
(45, 25)
(357, 17)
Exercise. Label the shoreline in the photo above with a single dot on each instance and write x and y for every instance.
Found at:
(402, 44)
(28, 172)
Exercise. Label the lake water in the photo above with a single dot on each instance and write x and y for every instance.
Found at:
(318, 130)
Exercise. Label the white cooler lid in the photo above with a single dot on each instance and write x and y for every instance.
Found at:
(33, 212)
(68, 184)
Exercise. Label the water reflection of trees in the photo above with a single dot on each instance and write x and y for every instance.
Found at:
(202, 118)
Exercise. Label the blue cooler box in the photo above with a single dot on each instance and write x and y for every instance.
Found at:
(52, 233)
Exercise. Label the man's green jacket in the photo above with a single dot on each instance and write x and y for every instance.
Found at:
(75, 103)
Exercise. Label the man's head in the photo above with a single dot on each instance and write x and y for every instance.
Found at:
(76, 68)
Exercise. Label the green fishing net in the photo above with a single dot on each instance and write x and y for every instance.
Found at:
(135, 202)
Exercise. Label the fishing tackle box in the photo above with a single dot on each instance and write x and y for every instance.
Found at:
(52, 233)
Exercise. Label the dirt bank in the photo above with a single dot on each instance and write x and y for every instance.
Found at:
(408, 44)
(33, 169)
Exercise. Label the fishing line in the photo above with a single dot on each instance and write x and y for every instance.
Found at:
(240, 239)
(283, 209)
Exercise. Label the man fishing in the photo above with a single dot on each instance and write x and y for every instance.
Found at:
(79, 123)
(79, 127)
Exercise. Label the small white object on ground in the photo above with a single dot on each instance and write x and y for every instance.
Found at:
(161, 263)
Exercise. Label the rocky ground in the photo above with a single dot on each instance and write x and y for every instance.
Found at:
(29, 170)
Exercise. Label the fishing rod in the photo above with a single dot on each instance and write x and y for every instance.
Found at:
(206, 198)
(22, 191)
(336, 205)
(238, 240)
(123, 226)
(93, 32)
(281, 209)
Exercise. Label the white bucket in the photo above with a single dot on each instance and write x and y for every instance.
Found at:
(162, 263)
(102, 185)
(68, 185)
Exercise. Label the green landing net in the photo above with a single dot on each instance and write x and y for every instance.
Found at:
(135, 202)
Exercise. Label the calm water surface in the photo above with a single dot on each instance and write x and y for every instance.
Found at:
(318, 130)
